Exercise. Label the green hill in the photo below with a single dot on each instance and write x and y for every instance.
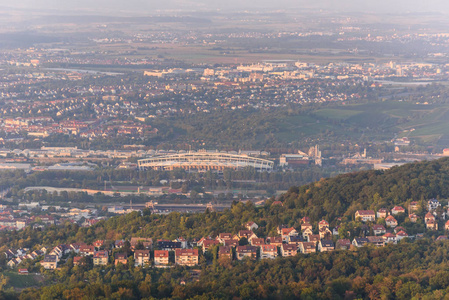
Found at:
(403, 271)
(343, 195)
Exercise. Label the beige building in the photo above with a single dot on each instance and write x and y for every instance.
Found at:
(161, 257)
(101, 258)
(141, 257)
(50, 262)
(186, 257)
(365, 215)
(307, 247)
(288, 250)
(246, 251)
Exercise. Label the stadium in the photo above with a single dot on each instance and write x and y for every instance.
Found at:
(204, 161)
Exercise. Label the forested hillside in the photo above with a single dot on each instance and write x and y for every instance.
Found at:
(402, 271)
(344, 194)
(330, 199)
(394, 272)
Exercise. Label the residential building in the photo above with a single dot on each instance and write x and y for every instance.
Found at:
(120, 258)
(200, 242)
(432, 225)
(224, 236)
(322, 224)
(183, 242)
(382, 213)
(87, 250)
(78, 260)
(208, 244)
(413, 218)
(429, 216)
(287, 232)
(307, 247)
(280, 227)
(268, 251)
(141, 257)
(305, 226)
(274, 240)
(168, 245)
(251, 226)
(379, 229)
(248, 234)
(377, 241)
(335, 230)
(295, 240)
(397, 210)
(101, 258)
(413, 206)
(365, 215)
(98, 244)
(257, 242)
(390, 238)
(246, 251)
(161, 257)
(325, 245)
(225, 252)
(325, 233)
(231, 243)
(306, 233)
(360, 242)
(50, 262)
(390, 221)
(119, 243)
(399, 228)
(400, 235)
(14, 262)
(289, 250)
(315, 238)
(433, 204)
(305, 220)
(186, 257)
(146, 242)
(343, 244)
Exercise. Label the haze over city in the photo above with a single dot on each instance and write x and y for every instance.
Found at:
(224, 149)
(142, 7)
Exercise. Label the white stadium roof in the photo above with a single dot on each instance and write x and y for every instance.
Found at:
(204, 161)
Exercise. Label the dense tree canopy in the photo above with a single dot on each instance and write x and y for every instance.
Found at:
(403, 271)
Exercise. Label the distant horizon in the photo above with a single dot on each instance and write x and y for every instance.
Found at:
(141, 7)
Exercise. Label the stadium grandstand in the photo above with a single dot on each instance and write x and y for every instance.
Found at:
(202, 161)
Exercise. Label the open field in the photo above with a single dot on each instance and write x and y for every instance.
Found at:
(363, 122)
(426, 123)
(231, 54)
(336, 114)
(23, 281)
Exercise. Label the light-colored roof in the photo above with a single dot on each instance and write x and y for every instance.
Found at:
(205, 159)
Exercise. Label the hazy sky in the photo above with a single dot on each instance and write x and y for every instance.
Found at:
(149, 6)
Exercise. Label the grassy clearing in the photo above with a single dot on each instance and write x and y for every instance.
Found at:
(429, 122)
(336, 114)
(23, 281)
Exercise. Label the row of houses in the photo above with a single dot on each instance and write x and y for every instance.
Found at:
(18, 258)
(414, 206)
(430, 219)
(288, 242)
(17, 219)
(184, 257)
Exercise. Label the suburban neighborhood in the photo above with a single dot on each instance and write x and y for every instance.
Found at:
(378, 229)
